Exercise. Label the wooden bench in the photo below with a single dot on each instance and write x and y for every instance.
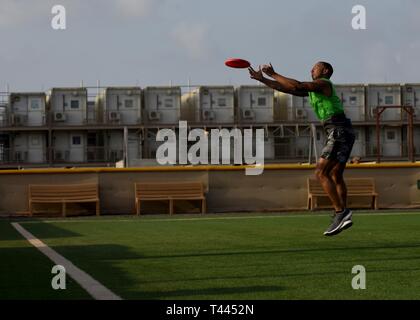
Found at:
(71, 193)
(364, 187)
(169, 191)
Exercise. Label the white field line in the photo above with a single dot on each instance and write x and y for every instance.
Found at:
(134, 219)
(92, 286)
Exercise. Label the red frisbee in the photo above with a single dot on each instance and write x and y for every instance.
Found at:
(237, 63)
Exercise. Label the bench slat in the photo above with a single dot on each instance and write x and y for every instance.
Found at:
(169, 191)
(73, 193)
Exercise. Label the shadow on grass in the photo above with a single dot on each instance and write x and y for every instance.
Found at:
(8, 232)
(250, 291)
(233, 253)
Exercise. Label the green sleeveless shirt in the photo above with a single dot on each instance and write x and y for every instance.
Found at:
(326, 107)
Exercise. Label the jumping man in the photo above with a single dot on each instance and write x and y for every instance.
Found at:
(338, 129)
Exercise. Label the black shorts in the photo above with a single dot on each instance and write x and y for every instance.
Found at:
(340, 140)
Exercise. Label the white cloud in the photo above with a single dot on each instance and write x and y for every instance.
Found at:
(193, 38)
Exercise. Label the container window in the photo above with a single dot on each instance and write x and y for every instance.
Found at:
(76, 140)
(35, 104)
(74, 104)
(390, 135)
(221, 102)
(262, 102)
(318, 136)
(389, 100)
(353, 100)
(128, 103)
(169, 103)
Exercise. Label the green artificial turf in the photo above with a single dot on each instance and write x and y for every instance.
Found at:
(25, 273)
(222, 257)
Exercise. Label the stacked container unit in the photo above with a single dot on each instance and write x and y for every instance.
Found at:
(255, 104)
(300, 110)
(359, 147)
(269, 144)
(390, 139)
(384, 95)
(353, 98)
(120, 106)
(416, 134)
(210, 105)
(69, 146)
(411, 97)
(134, 147)
(68, 106)
(27, 109)
(162, 105)
(115, 145)
(29, 147)
(282, 103)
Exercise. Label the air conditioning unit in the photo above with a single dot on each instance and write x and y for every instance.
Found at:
(129, 92)
(75, 93)
(114, 116)
(301, 114)
(59, 116)
(208, 115)
(154, 115)
(248, 114)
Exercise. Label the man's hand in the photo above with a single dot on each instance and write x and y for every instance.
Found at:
(268, 70)
(257, 75)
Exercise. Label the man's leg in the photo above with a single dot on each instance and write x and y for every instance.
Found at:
(337, 176)
(323, 173)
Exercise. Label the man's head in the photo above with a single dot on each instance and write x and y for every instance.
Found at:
(322, 70)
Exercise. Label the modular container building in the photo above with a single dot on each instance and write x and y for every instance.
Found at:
(300, 110)
(390, 140)
(29, 147)
(379, 95)
(281, 112)
(120, 105)
(411, 97)
(69, 146)
(68, 106)
(255, 104)
(162, 105)
(209, 105)
(353, 98)
(27, 109)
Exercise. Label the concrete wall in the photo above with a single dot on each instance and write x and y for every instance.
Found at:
(280, 187)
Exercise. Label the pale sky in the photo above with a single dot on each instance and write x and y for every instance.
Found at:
(158, 42)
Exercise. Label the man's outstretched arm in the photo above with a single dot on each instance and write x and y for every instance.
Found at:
(288, 85)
